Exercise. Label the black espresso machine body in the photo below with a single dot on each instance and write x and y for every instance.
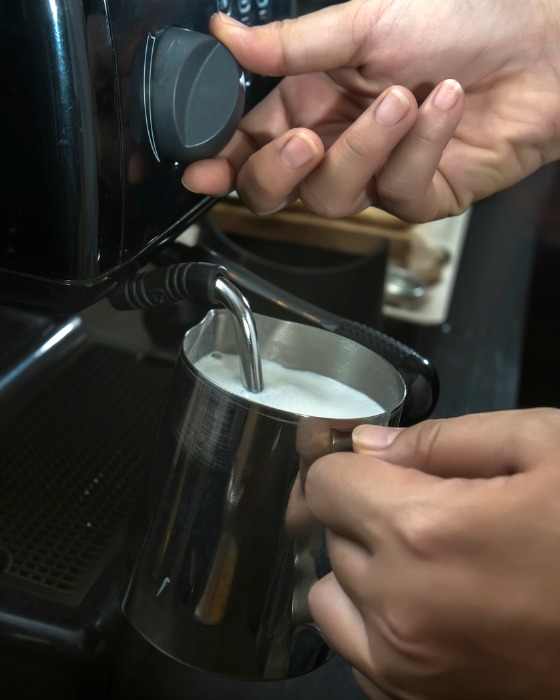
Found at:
(84, 202)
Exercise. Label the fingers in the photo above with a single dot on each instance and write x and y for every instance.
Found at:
(266, 183)
(342, 184)
(409, 185)
(302, 45)
(355, 495)
(339, 620)
(389, 155)
(391, 160)
(337, 183)
(212, 177)
(482, 445)
(269, 180)
(217, 176)
(360, 643)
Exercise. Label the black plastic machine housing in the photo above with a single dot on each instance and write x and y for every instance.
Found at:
(86, 199)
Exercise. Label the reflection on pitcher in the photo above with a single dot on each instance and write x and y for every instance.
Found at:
(222, 579)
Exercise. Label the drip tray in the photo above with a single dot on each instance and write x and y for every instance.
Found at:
(73, 457)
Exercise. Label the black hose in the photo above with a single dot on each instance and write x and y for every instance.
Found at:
(194, 281)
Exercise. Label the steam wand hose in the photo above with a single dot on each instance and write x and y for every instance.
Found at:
(205, 284)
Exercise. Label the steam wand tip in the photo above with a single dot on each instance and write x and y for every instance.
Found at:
(245, 331)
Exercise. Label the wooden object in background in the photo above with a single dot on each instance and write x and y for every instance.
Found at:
(358, 234)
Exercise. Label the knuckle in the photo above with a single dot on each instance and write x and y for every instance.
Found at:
(430, 135)
(264, 187)
(405, 194)
(355, 150)
(259, 207)
(427, 437)
(327, 206)
(406, 630)
(418, 531)
(260, 197)
(328, 211)
(397, 189)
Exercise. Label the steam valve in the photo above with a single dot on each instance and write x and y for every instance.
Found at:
(190, 95)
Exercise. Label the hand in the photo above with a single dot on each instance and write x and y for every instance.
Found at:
(444, 541)
(344, 130)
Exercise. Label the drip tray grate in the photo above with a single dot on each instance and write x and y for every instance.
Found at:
(70, 468)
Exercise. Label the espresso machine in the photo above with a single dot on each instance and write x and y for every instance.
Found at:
(102, 104)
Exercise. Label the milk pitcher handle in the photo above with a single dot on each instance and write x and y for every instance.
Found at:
(419, 375)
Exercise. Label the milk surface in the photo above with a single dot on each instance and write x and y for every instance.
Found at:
(297, 391)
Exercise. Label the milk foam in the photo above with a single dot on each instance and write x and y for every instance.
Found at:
(297, 391)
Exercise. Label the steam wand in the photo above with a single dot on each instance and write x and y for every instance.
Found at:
(202, 283)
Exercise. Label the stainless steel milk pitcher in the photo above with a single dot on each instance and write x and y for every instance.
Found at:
(231, 552)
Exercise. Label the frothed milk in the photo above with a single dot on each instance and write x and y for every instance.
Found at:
(296, 391)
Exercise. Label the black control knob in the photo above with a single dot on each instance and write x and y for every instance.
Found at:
(192, 95)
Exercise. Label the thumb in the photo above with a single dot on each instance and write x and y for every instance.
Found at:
(482, 445)
(313, 42)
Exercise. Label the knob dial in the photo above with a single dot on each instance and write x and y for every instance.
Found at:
(194, 95)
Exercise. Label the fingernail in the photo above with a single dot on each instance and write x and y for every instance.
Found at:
(298, 151)
(447, 95)
(373, 437)
(392, 108)
(189, 188)
(226, 19)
